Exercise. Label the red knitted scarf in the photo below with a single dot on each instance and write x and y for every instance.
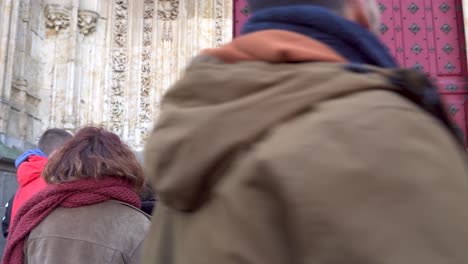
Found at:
(73, 194)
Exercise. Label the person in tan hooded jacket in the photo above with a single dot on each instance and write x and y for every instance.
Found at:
(302, 142)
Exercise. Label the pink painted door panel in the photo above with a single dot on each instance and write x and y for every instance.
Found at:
(241, 13)
(423, 34)
(428, 35)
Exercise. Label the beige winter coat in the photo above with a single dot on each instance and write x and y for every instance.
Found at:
(108, 232)
(265, 163)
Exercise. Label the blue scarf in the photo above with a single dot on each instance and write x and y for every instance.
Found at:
(349, 39)
(26, 154)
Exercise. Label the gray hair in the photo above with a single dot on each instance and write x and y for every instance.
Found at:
(336, 5)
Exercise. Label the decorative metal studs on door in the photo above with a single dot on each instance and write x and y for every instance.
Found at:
(444, 8)
(453, 109)
(448, 49)
(451, 88)
(449, 67)
(413, 8)
(418, 66)
(446, 28)
(383, 28)
(416, 49)
(382, 7)
(414, 28)
(246, 10)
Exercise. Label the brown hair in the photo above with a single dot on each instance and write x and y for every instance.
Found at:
(93, 153)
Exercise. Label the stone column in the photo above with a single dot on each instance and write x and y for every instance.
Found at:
(90, 60)
(62, 27)
(24, 123)
(8, 23)
(117, 83)
(147, 97)
(19, 88)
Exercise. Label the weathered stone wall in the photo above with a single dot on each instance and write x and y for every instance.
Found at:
(68, 63)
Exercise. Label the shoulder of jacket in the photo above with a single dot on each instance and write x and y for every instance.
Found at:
(205, 58)
(138, 210)
(339, 121)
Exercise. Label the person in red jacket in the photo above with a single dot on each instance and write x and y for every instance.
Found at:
(30, 165)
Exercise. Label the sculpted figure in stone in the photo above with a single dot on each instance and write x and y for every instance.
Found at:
(57, 17)
(87, 21)
(168, 9)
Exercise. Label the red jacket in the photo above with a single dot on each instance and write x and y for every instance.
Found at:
(29, 180)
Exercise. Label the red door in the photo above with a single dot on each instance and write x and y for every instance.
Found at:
(428, 35)
(423, 34)
(241, 13)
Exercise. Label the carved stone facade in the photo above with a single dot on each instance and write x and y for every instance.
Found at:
(119, 66)
(87, 21)
(145, 105)
(57, 17)
(69, 63)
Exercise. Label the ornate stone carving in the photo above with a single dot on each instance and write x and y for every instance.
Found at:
(168, 11)
(24, 10)
(57, 17)
(148, 9)
(145, 110)
(167, 31)
(87, 21)
(219, 22)
(119, 60)
(116, 79)
(119, 67)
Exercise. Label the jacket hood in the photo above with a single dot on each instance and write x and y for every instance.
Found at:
(219, 110)
(30, 169)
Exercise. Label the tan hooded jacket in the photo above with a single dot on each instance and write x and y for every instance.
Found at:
(274, 163)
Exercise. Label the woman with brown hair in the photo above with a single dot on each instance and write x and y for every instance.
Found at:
(89, 211)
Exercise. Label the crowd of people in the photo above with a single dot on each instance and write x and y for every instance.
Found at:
(299, 142)
(79, 203)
